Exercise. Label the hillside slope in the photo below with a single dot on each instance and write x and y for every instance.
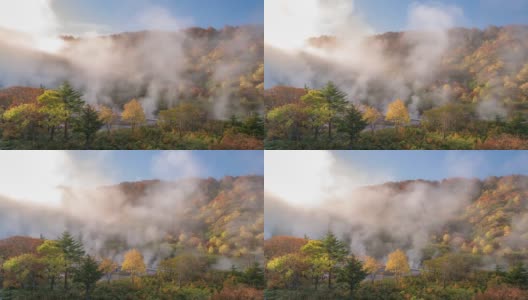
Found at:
(219, 217)
(475, 66)
(222, 68)
(424, 218)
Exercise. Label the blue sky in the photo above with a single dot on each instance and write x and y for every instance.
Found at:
(386, 15)
(129, 15)
(172, 165)
(437, 165)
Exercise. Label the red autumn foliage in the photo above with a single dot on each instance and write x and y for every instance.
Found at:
(238, 293)
(282, 95)
(503, 142)
(282, 245)
(18, 245)
(239, 141)
(502, 292)
(18, 95)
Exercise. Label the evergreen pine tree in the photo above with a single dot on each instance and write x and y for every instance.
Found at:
(337, 101)
(73, 253)
(88, 274)
(337, 252)
(352, 124)
(73, 102)
(88, 123)
(352, 274)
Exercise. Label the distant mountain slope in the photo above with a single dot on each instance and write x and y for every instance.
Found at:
(494, 222)
(221, 67)
(475, 66)
(222, 217)
(487, 217)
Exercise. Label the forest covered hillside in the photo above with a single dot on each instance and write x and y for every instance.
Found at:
(214, 217)
(219, 67)
(457, 88)
(194, 88)
(190, 239)
(477, 65)
(17, 245)
(490, 219)
(452, 239)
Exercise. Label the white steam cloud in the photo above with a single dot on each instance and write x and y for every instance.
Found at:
(321, 190)
(47, 192)
(158, 63)
(356, 62)
(316, 41)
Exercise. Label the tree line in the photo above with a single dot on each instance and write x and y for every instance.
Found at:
(315, 269)
(61, 269)
(64, 110)
(326, 118)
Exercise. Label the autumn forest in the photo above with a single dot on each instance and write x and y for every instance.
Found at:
(206, 245)
(472, 246)
(210, 98)
(475, 97)
(263, 149)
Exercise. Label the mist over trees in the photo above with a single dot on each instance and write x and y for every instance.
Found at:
(449, 88)
(453, 239)
(196, 238)
(147, 97)
(35, 274)
(35, 124)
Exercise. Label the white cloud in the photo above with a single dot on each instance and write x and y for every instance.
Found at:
(300, 177)
(462, 164)
(36, 19)
(309, 178)
(29, 16)
(33, 176)
(39, 176)
(159, 18)
(169, 165)
(433, 16)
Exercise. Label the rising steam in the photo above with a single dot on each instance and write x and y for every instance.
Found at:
(316, 41)
(150, 65)
(47, 192)
(326, 192)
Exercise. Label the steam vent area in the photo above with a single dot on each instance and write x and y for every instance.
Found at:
(263, 150)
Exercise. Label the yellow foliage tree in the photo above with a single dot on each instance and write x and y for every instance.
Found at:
(371, 266)
(107, 116)
(398, 263)
(446, 238)
(224, 249)
(371, 115)
(398, 114)
(488, 249)
(134, 264)
(134, 113)
(507, 230)
(108, 267)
